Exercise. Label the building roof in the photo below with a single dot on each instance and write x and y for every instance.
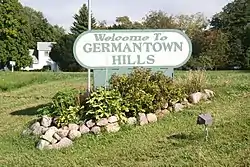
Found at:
(45, 46)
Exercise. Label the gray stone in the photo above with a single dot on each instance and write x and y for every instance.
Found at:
(44, 129)
(205, 96)
(73, 134)
(62, 133)
(42, 144)
(73, 126)
(53, 128)
(178, 107)
(84, 129)
(112, 119)
(46, 121)
(102, 122)
(63, 143)
(195, 97)
(142, 119)
(49, 135)
(96, 130)
(37, 131)
(90, 123)
(151, 117)
(57, 137)
(54, 141)
(170, 109)
(34, 126)
(113, 127)
(65, 128)
(131, 121)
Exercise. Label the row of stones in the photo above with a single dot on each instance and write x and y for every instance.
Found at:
(52, 137)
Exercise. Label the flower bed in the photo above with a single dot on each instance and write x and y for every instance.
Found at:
(139, 98)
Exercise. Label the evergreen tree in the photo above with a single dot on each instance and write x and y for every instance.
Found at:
(14, 35)
(81, 21)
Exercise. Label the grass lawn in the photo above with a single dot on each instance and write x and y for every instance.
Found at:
(174, 141)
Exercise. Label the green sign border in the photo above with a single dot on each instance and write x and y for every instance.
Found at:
(133, 31)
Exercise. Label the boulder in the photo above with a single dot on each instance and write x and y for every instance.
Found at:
(96, 130)
(131, 121)
(102, 122)
(35, 126)
(195, 97)
(38, 131)
(178, 107)
(73, 126)
(44, 129)
(113, 127)
(151, 117)
(57, 137)
(73, 134)
(84, 129)
(42, 144)
(112, 119)
(49, 135)
(142, 119)
(64, 142)
(62, 133)
(90, 123)
(46, 121)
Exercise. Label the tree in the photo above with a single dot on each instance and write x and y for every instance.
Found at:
(233, 20)
(41, 29)
(62, 53)
(14, 35)
(81, 21)
(124, 22)
(158, 20)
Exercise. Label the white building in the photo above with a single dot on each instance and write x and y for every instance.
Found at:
(43, 60)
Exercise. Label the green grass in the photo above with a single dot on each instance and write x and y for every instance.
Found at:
(174, 141)
(10, 81)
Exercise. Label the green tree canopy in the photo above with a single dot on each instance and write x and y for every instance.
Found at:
(14, 34)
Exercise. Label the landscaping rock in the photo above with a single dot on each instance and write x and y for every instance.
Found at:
(142, 119)
(210, 93)
(205, 96)
(112, 119)
(38, 131)
(162, 113)
(27, 132)
(178, 107)
(44, 129)
(102, 122)
(131, 121)
(54, 141)
(57, 137)
(42, 144)
(64, 142)
(46, 121)
(170, 109)
(151, 117)
(73, 134)
(96, 130)
(113, 127)
(65, 128)
(35, 126)
(195, 97)
(90, 123)
(84, 129)
(73, 126)
(62, 133)
(53, 128)
(49, 135)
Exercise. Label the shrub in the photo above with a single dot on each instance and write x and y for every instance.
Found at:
(65, 106)
(145, 91)
(105, 103)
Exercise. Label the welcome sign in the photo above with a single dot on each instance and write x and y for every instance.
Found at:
(130, 48)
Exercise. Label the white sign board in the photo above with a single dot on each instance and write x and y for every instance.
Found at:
(131, 48)
(12, 63)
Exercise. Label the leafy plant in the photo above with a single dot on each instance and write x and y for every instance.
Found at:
(104, 103)
(70, 115)
(145, 91)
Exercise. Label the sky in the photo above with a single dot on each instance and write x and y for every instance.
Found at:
(61, 12)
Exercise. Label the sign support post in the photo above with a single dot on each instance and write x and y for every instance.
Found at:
(89, 29)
